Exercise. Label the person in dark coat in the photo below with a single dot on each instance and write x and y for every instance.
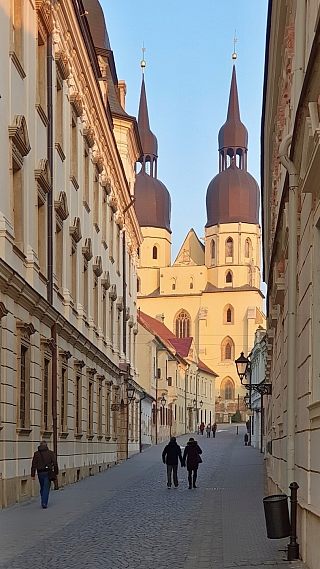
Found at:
(43, 461)
(191, 458)
(170, 456)
(201, 427)
(214, 429)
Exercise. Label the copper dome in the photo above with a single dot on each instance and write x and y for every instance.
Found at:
(97, 23)
(233, 196)
(152, 202)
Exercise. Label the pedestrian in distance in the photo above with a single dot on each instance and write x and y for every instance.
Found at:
(214, 430)
(246, 438)
(45, 463)
(208, 431)
(201, 427)
(171, 456)
(192, 459)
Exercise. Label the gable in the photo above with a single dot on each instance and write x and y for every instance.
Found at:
(191, 252)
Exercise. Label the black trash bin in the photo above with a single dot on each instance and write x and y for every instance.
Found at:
(277, 516)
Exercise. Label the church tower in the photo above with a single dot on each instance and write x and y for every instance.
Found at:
(232, 234)
(152, 205)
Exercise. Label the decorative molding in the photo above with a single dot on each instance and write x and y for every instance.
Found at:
(42, 114)
(91, 370)
(88, 135)
(113, 292)
(3, 310)
(79, 364)
(105, 280)
(61, 207)
(135, 330)
(17, 63)
(43, 177)
(97, 160)
(113, 202)
(119, 304)
(44, 10)
(87, 249)
(119, 219)
(60, 151)
(47, 343)
(26, 329)
(76, 104)
(75, 230)
(65, 355)
(62, 64)
(131, 322)
(18, 133)
(106, 184)
(127, 313)
(97, 266)
(74, 182)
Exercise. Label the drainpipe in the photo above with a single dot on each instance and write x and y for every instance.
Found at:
(292, 302)
(50, 243)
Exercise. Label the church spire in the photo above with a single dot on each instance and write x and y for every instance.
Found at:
(233, 135)
(148, 139)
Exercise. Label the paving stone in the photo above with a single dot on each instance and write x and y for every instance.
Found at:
(125, 518)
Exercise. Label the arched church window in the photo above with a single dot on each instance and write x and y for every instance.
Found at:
(155, 252)
(247, 248)
(213, 250)
(173, 284)
(228, 314)
(227, 349)
(183, 324)
(229, 247)
(227, 389)
(191, 283)
(229, 277)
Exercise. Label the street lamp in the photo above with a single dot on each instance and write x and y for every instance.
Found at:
(163, 401)
(244, 370)
(247, 400)
(130, 392)
(194, 404)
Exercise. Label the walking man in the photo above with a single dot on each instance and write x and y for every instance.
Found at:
(170, 456)
(208, 430)
(192, 458)
(214, 429)
(45, 463)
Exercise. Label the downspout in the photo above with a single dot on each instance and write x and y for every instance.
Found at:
(50, 242)
(292, 302)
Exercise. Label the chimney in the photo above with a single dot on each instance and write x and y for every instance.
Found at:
(122, 87)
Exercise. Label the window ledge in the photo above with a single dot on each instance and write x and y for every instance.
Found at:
(90, 437)
(78, 435)
(60, 151)
(63, 434)
(16, 62)
(24, 431)
(42, 114)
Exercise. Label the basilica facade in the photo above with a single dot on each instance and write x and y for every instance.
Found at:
(211, 292)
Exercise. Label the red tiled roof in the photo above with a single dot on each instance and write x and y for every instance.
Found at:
(182, 345)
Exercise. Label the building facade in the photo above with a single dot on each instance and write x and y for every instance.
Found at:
(183, 388)
(211, 292)
(291, 238)
(257, 400)
(68, 242)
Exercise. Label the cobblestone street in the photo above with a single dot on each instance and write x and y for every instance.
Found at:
(126, 517)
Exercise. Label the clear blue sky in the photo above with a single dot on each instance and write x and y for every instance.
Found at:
(188, 54)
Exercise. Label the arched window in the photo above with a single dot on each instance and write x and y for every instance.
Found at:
(227, 349)
(182, 324)
(191, 283)
(138, 285)
(213, 250)
(228, 314)
(173, 284)
(227, 389)
(229, 277)
(229, 248)
(155, 252)
(247, 248)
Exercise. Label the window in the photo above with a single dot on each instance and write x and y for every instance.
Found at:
(173, 284)
(86, 175)
(73, 272)
(90, 407)
(100, 408)
(108, 409)
(227, 389)
(229, 277)
(59, 114)
(191, 283)
(58, 255)
(17, 29)
(104, 310)
(227, 349)
(42, 74)
(42, 236)
(229, 249)
(24, 331)
(247, 248)
(74, 148)
(155, 252)
(23, 387)
(18, 210)
(95, 299)
(111, 320)
(213, 250)
(182, 324)
(138, 285)
(228, 314)
(85, 287)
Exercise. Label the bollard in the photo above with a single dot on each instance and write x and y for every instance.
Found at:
(293, 546)
(237, 430)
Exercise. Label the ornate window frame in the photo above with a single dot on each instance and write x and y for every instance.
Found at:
(24, 332)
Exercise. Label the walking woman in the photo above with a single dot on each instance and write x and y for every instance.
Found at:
(192, 458)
